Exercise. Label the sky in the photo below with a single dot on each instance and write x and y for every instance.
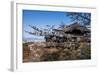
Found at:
(42, 18)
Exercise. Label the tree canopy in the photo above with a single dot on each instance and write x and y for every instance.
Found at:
(82, 18)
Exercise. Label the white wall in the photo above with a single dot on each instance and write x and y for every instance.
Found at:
(5, 35)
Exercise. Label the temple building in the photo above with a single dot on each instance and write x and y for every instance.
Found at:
(69, 34)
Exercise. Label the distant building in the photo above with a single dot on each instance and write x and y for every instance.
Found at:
(71, 33)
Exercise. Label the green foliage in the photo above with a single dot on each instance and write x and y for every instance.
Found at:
(85, 51)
